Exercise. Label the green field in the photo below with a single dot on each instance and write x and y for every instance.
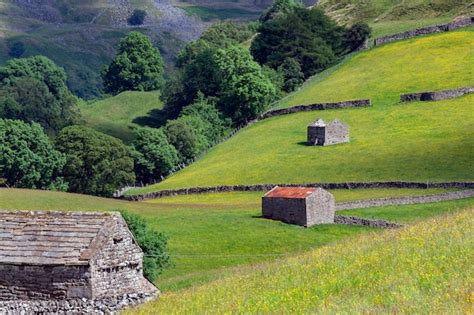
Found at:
(118, 114)
(423, 269)
(417, 141)
(211, 235)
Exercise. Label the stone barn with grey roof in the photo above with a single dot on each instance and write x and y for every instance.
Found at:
(320, 133)
(47, 255)
(305, 206)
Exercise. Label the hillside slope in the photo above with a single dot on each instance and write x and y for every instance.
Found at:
(118, 114)
(392, 16)
(81, 36)
(425, 268)
(389, 141)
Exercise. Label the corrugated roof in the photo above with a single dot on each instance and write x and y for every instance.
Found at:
(50, 237)
(290, 192)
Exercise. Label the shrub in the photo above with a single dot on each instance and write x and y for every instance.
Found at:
(356, 35)
(292, 74)
(27, 158)
(182, 136)
(152, 243)
(97, 164)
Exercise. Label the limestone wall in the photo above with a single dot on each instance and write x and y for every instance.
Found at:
(320, 208)
(436, 96)
(425, 30)
(340, 219)
(43, 282)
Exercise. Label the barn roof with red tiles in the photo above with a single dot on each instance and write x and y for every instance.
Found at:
(290, 192)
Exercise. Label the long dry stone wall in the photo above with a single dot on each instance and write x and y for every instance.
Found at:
(313, 107)
(405, 200)
(265, 187)
(436, 96)
(464, 22)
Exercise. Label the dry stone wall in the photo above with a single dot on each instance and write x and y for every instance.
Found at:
(464, 22)
(313, 107)
(266, 187)
(340, 219)
(436, 96)
(405, 200)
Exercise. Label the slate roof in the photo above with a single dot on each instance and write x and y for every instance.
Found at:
(50, 237)
(290, 192)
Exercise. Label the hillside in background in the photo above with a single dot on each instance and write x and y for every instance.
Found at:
(389, 141)
(81, 36)
(116, 115)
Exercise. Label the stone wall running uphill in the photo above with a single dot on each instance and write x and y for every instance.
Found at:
(436, 96)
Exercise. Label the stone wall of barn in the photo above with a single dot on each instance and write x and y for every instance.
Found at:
(320, 208)
(19, 282)
(117, 269)
(288, 210)
(336, 132)
(316, 135)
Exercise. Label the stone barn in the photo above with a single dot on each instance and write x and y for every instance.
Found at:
(320, 133)
(305, 206)
(46, 255)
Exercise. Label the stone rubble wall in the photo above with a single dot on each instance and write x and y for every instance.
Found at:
(436, 96)
(73, 306)
(464, 22)
(266, 187)
(340, 219)
(320, 207)
(313, 107)
(409, 200)
(291, 211)
(336, 132)
(43, 282)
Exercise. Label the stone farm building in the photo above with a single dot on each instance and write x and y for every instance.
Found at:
(320, 133)
(305, 206)
(68, 255)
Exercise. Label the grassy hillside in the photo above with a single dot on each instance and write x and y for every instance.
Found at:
(211, 235)
(389, 141)
(118, 114)
(392, 16)
(425, 268)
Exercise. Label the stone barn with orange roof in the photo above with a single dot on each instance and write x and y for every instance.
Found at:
(305, 206)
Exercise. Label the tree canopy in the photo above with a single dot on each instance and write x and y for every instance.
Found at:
(27, 158)
(34, 90)
(137, 66)
(97, 164)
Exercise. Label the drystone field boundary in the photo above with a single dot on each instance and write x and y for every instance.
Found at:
(341, 219)
(436, 96)
(456, 24)
(266, 187)
(408, 200)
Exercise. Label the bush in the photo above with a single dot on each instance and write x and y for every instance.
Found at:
(154, 156)
(183, 137)
(97, 164)
(27, 158)
(292, 74)
(152, 243)
(137, 17)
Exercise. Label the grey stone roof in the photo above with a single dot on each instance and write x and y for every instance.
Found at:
(318, 123)
(51, 237)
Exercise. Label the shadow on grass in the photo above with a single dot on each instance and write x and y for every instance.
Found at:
(154, 119)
